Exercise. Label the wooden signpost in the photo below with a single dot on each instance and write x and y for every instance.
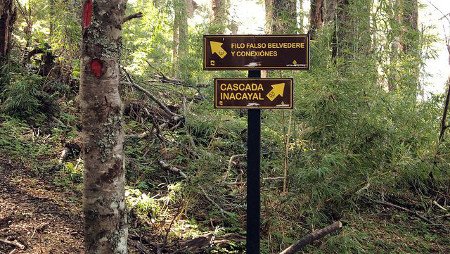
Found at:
(254, 53)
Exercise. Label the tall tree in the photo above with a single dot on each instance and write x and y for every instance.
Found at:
(404, 46)
(101, 114)
(284, 16)
(220, 15)
(352, 37)
(180, 35)
(316, 16)
(7, 19)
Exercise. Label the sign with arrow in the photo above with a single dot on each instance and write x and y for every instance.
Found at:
(255, 93)
(256, 52)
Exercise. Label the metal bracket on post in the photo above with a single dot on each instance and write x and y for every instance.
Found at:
(253, 175)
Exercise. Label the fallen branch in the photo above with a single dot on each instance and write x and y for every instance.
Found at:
(169, 167)
(132, 16)
(403, 209)
(230, 164)
(296, 247)
(13, 243)
(212, 201)
(163, 106)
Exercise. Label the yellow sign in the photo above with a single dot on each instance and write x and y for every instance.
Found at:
(253, 93)
(246, 52)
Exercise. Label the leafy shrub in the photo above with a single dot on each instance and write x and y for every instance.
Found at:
(25, 97)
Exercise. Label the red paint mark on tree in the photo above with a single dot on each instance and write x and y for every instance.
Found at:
(96, 67)
(87, 13)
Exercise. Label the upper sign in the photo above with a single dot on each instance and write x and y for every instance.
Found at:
(253, 93)
(262, 52)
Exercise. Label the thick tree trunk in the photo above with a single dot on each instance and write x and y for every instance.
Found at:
(352, 37)
(284, 16)
(101, 114)
(7, 19)
(316, 16)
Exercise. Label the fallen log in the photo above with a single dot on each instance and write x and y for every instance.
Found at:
(296, 247)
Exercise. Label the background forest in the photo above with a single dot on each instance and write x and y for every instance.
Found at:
(364, 144)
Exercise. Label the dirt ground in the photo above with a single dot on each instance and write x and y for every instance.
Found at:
(36, 217)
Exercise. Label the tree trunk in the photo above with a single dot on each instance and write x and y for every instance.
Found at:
(7, 19)
(268, 5)
(180, 37)
(316, 16)
(101, 114)
(284, 17)
(352, 37)
(220, 18)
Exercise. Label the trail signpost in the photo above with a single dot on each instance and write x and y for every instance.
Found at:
(254, 53)
(253, 93)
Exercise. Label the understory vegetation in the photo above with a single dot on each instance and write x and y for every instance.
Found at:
(352, 150)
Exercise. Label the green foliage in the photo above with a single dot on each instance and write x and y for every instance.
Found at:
(25, 97)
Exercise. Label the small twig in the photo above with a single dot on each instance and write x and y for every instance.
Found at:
(13, 243)
(273, 178)
(212, 201)
(132, 16)
(180, 209)
(438, 205)
(169, 167)
(230, 164)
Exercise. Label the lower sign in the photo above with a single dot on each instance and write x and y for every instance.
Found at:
(253, 93)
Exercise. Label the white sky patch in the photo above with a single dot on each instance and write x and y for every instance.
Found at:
(439, 68)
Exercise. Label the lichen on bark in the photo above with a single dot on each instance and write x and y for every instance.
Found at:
(101, 109)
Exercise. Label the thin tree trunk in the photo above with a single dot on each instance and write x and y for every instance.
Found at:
(7, 19)
(101, 114)
(180, 37)
(268, 4)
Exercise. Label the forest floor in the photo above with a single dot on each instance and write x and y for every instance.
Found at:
(37, 216)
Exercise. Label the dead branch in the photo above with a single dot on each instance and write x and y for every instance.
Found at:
(163, 106)
(296, 247)
(171, 168)
(162, 78)
(196, 244)
(230, 164)
(132, 16)
(438, 205)
(212, 201)
(385, 203)
(13, 243)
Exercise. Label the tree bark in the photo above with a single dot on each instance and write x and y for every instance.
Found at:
(316, 16)
(101, 114)
(7, 19)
